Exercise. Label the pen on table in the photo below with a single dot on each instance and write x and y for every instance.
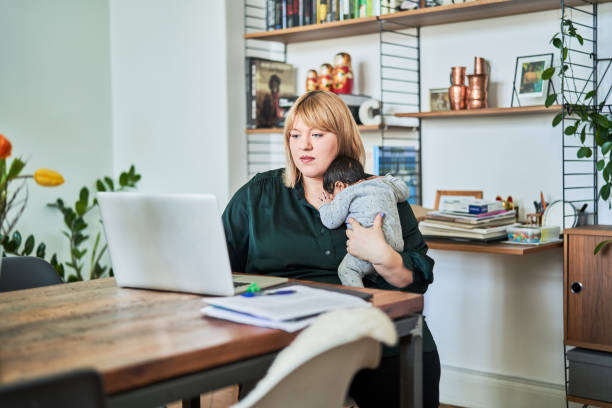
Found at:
(543, 202)
(277, 292)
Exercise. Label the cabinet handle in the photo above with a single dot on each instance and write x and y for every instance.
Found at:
(576, 287)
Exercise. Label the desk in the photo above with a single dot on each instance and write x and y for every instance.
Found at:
(155, 347)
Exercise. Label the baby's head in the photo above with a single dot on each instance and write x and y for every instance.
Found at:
(341, 173)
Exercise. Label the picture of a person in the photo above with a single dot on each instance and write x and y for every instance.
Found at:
(270, 109)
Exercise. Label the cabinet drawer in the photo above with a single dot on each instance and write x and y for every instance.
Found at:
(590, 374)
(588, 293)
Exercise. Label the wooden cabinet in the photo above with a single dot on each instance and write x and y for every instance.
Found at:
(588, 288)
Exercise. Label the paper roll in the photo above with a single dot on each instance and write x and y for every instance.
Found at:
(369, 113)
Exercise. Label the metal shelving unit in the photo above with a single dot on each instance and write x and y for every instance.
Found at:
(586, 72)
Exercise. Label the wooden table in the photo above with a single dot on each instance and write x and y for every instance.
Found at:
(155, 347)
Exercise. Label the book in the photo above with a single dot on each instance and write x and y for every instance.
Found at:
(271, 92)
(401, 162)
(470, 206)
(475, 219)
(433, 230)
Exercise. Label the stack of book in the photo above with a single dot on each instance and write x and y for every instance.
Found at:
(468, 219)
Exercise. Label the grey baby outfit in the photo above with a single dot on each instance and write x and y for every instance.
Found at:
(362, 202)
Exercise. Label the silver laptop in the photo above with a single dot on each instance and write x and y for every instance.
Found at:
(171, 242)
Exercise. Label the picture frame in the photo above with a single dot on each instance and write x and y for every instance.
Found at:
(439, 100)
(528, 86)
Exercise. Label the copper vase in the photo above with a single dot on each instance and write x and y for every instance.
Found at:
(458, 91)
(481, 66)
(477, 91)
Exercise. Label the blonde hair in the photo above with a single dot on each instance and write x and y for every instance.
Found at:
(326, 111)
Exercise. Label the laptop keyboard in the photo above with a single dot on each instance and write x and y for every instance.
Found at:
(238, 284)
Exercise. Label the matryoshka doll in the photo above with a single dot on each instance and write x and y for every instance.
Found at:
(343, 74)
(311, 80)
(325, 77)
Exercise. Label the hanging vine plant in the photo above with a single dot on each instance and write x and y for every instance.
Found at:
(585, 114)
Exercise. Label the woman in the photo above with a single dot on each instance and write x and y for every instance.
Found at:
(272, 227)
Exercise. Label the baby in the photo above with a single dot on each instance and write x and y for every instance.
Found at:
(356, 197)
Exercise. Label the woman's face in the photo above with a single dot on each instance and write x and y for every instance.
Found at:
(312, 149)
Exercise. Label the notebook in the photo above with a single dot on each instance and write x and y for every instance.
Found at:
(171, 242)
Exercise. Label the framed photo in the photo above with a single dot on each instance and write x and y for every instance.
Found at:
(438, 100)
(529, 87)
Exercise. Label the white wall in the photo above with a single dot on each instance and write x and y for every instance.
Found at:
(170, 95)
(55, 100)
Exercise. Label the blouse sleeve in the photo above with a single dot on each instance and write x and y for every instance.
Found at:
(236, 224)
(414, 254)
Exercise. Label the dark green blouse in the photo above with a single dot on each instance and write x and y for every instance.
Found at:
(272, 230)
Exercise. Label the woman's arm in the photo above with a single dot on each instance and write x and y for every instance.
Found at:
(369, 244)
(366, 244)
(236, 225)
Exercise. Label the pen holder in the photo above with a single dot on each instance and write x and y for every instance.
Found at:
(534, 218)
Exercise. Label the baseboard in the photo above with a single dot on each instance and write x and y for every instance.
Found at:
(478, 389)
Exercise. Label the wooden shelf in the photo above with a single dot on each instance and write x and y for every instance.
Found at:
(475, 10)
(589, 402)
(453, 13)
(519, 110)
(490, 248)
(362, 128)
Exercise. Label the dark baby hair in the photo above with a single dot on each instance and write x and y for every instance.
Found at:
(343, 169)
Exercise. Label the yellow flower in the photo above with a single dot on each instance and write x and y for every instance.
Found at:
(48, 178)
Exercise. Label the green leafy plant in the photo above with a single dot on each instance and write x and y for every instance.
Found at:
(584, 113)
(77, 235)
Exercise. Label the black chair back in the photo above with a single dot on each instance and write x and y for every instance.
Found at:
(75, 389)
(25, 272)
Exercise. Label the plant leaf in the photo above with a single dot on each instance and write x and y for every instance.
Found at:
(570, 130)
(29, 246)
(84, 195)
(109, 182)
(16, 166)
(583, 134)
(590, 94)
(563, 56)
(40, 251)
(604, 193)
(556, 42)
(123, 179)
(601, 245)
(605, 148)
(80, 207)
(100, 185)
(557, 119)
(584, 152)
(548, 73)
(600, 164)
(579, 38)
(550, 100)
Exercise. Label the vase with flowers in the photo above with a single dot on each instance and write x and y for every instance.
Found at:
(14, 197)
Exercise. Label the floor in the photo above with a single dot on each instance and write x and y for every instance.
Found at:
(227, 396)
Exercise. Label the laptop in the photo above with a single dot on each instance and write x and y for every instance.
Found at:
(173, 242)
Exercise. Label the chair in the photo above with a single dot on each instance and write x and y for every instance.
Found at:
(24, 272)
(459, 193)
(75, 389)
(315, 370)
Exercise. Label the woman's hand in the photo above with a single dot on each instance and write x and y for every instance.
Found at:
(370, 245)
